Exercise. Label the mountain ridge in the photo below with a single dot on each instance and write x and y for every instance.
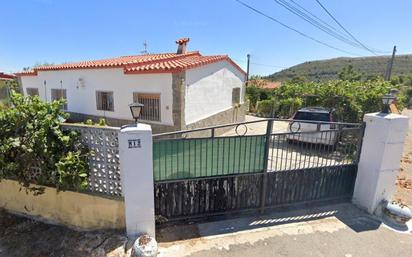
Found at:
(320, 70)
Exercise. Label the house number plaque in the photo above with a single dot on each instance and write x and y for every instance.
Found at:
(134, 143)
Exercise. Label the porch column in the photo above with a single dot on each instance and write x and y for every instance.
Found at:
(380, 159)
(136, 168)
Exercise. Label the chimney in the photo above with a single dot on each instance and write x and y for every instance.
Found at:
(182, 48)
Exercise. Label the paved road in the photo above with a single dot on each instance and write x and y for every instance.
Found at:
(333, 231)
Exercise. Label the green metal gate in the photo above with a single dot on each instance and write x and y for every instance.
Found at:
(201, 172)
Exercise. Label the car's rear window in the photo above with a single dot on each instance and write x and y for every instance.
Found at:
(312, 116)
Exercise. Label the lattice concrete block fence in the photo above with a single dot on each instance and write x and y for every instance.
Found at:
(101, 206)
(122, 166)
(104, 176)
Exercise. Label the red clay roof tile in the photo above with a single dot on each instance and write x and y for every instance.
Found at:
(4, 76)
(148, 63)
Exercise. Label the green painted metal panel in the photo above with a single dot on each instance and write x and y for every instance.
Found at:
(205, 157)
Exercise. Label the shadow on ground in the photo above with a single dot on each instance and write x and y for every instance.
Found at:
(347, 213)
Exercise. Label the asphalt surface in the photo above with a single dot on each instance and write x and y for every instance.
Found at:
(335, 230)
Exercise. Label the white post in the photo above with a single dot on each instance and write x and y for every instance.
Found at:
(136, 167)
(380, 159)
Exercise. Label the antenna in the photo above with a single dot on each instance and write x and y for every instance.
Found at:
(145, 48)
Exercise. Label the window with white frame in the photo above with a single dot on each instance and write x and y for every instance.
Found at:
(104, 101)
(151, 108)
(32, 91)
(57, 94)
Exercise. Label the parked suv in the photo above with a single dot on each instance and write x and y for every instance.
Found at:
(318, 118)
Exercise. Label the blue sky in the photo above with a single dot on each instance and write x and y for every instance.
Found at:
(59, 31)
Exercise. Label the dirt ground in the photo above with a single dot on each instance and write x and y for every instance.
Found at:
(22, 237)
(404, 183)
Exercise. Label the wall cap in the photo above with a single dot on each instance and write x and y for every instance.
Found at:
(379, 115)
(136, 128)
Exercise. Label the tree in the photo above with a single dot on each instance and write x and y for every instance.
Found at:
(31, 140)
(349, 74)
(299, 79)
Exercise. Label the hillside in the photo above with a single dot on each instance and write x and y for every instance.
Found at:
(328, 69)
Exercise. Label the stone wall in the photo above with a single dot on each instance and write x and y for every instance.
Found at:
(179, 87)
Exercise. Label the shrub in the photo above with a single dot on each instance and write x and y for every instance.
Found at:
(31, 137)
(254, 94)
(288, 106)
(266, 108)
(102, 122)
(88, 122)
(351, 99)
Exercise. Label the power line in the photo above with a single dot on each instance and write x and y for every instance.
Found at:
(330, 26)
(314, 16)
(340, 25)
(293, 29)
(328, 29)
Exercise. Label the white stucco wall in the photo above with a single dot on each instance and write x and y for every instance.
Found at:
(209, 90)
(83, 99)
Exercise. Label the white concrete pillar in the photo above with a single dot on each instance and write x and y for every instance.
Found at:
(136, 168)
(380, 159)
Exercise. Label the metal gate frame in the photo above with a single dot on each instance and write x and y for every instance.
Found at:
(187, 195)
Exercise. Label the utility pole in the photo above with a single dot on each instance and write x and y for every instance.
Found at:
(390, 65)
(247, 69)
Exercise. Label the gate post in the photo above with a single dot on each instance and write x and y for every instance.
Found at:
(269, 128)
(379, 161)
(136, 170)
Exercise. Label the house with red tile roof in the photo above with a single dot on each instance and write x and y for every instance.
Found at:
(5, 77)
(179, 90)
(4, 90)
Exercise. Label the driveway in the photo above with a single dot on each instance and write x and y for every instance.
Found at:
(286, 156)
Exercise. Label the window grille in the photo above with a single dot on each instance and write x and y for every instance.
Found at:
(151, 109)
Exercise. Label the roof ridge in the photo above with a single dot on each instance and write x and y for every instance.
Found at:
(175, 57)
(115, 61)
